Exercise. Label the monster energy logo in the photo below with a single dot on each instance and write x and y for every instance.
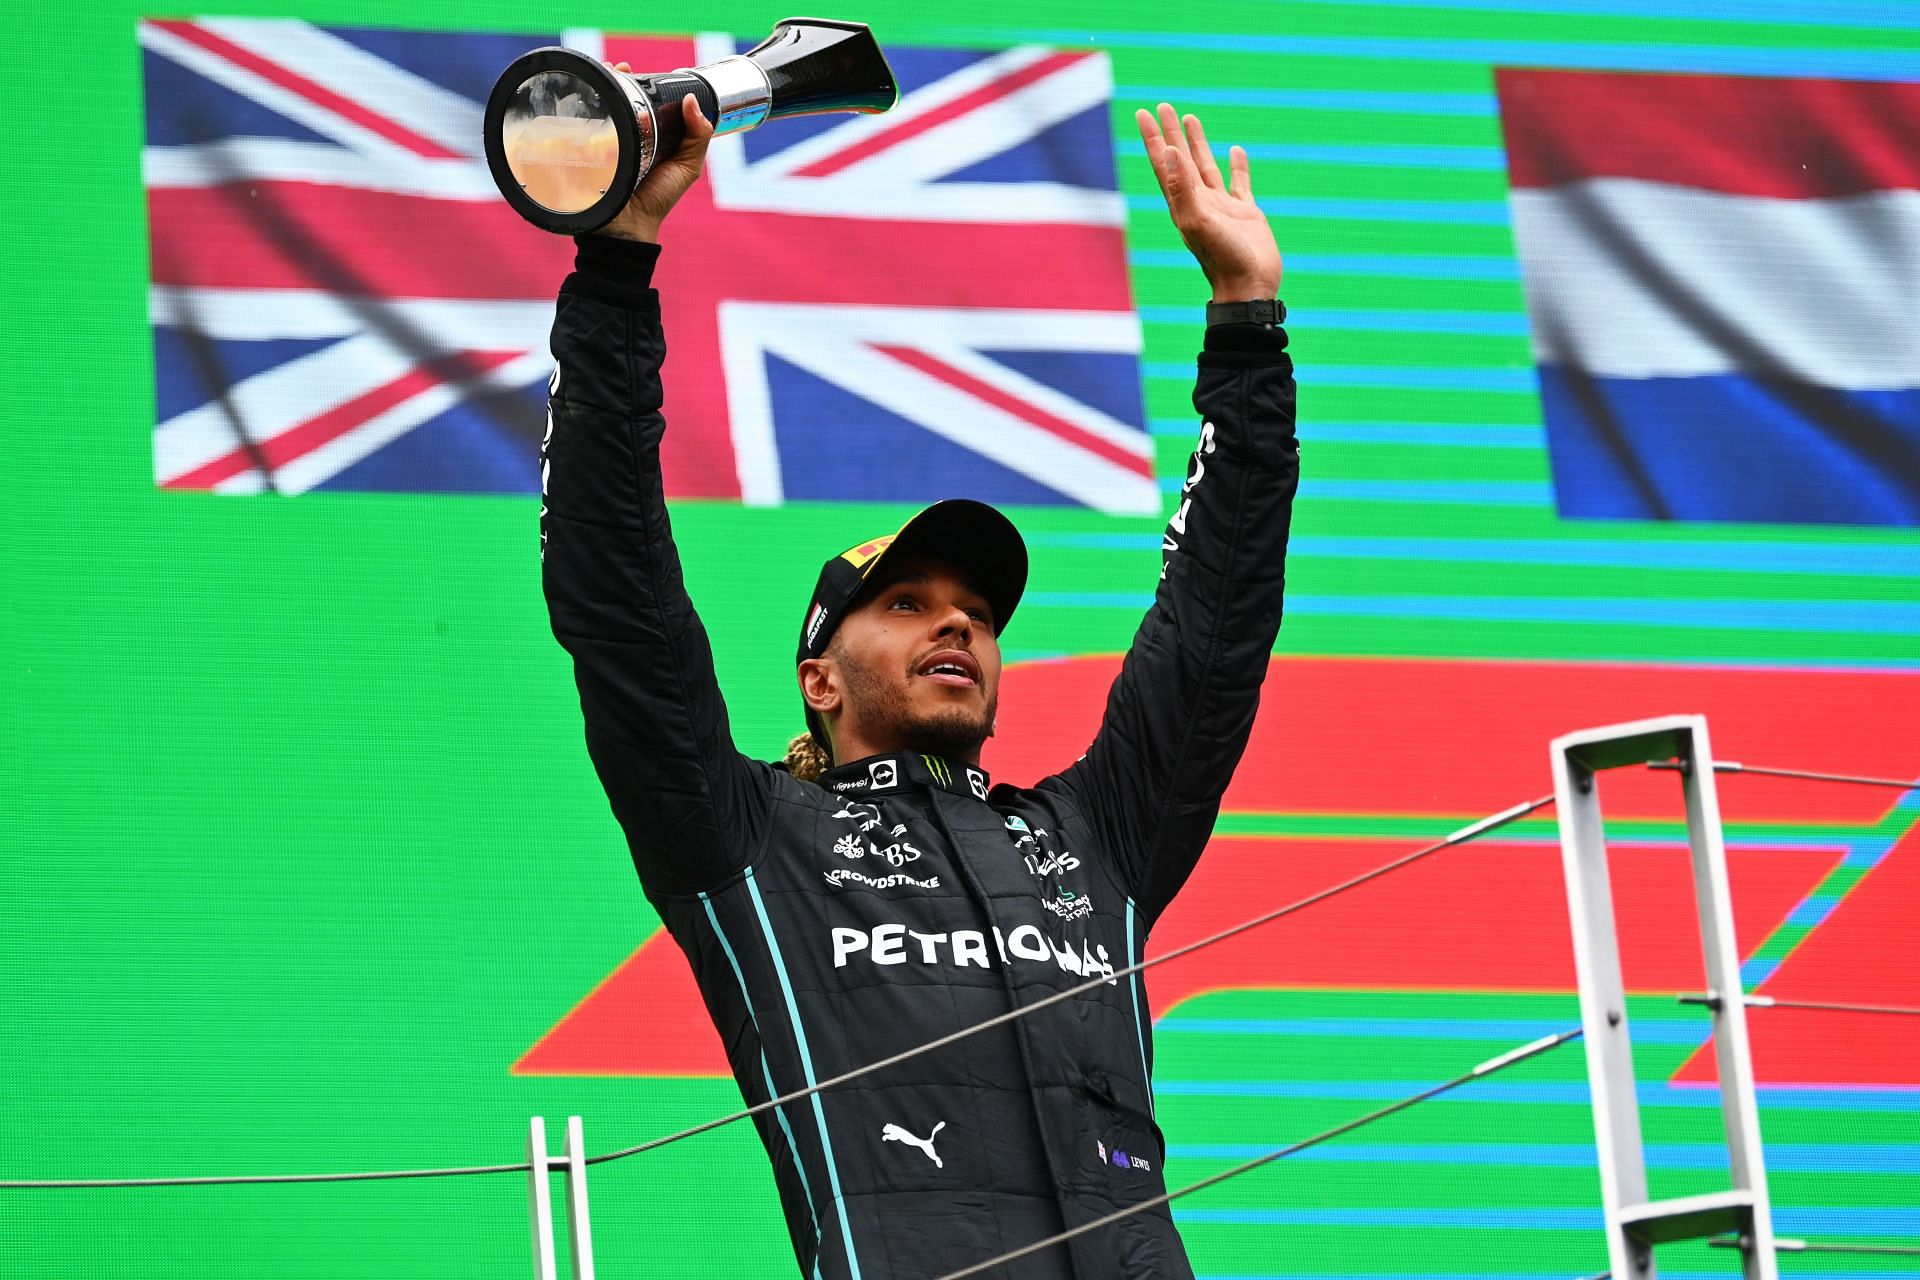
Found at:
(938, 768)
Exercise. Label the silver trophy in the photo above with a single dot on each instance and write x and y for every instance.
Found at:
(568, 138)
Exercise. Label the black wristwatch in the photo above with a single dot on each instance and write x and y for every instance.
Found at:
(1267, 311)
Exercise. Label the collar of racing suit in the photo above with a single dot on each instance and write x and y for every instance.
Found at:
(906, 771)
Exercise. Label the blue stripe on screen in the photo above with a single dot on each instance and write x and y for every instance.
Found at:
(1782, 1157)
(1475, 213)
(1501, 1030)
(1479, 493)
(1564, 1273)
(1495, 323)
(1503, 493)
(1402, 155)
(1731, 447)
(1756, 971)
(1816, 908)
(1391, 102)
(1399, 377)
(1718, 557)
(1893, 63)
(1419, 266)
(1858, 560)
(1866, 616)
(1867, 852)
(1431, 434)
(1551, 1092)
(1869, 617)
(1791, 1221)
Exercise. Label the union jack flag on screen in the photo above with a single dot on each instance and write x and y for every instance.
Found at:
(926, 303)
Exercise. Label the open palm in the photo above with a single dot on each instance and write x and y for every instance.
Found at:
(1216, 216)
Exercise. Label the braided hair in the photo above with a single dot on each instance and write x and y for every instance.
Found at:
(806, 758)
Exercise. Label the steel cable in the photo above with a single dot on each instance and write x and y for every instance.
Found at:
(1472, 831)
(1487, 1068)
(1852, 779)
(1782, 1245)
(1819, 1006)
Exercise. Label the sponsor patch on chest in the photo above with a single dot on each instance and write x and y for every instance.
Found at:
(868, 837)
(1119, 1159)
(896, 944)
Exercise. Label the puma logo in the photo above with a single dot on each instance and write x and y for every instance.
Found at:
(894, 1133)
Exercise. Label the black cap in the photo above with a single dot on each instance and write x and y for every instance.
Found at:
(971, 536)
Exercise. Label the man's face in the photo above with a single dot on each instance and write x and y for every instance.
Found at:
(914, 666)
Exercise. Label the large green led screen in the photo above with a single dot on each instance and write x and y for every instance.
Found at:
(1605, 319)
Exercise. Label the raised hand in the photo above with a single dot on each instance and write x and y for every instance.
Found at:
(667, 181)
(1222, 227)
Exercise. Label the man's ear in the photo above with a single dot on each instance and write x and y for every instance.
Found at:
(820, 685)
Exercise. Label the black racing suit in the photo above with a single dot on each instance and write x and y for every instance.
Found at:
(832, 925)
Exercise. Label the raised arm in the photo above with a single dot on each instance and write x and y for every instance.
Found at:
(1179, 714)
(693, 809)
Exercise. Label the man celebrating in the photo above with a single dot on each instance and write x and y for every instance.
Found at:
(876, 892)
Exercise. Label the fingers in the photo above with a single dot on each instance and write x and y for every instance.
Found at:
(1149, 130)
(1170, 128)
(697, 134)
(1196, 138)
(1182, 158)
(1178, 178)
(699, 128)
(1155, 143)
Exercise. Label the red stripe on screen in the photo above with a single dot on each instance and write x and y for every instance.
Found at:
(1848, 721)
(1742, 135)
(297, 235)
(318, 94)
(1024, 410)
(1474, 736)
(1862, 954)
(294, 235)
(913, 126)
(1484, 917)
(295, 442)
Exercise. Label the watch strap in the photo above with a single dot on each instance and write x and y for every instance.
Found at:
(1267, 311)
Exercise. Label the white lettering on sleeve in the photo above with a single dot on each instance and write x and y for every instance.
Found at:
(1178, 525)
(929, 945)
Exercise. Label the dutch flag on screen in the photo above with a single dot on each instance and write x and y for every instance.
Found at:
(1723, 280)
